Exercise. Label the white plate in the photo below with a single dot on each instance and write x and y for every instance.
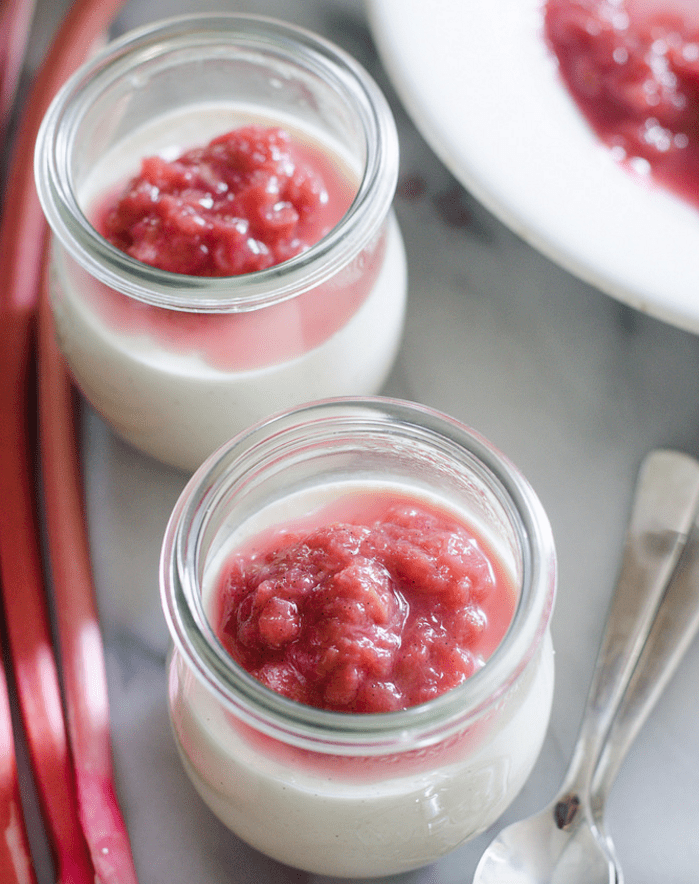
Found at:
(481, 85)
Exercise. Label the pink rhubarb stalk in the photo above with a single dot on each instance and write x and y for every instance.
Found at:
(15, 858)
(76, 799)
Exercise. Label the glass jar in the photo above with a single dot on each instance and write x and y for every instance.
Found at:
(356, 794)
(176, 363)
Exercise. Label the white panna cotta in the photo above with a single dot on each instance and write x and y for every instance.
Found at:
(358, 793)
(178, 357)
(361, 817)
(168, 398)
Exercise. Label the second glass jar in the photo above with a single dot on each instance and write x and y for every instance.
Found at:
(336, 793)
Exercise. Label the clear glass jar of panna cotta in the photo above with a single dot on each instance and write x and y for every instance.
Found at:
(355, 794)
(178, 362)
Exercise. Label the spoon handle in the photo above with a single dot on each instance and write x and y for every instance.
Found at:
(664, 507)
(674, 628)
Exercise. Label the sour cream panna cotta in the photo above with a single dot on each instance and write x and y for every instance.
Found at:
(180, 354)
(359, 594)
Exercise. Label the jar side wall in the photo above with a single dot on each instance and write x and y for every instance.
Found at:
(330, 822)
(179, 409)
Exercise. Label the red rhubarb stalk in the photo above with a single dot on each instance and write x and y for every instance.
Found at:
(24, 600)
(84, 677)
(15, 854)
(22, 242)
(15, 859)
(15, 24)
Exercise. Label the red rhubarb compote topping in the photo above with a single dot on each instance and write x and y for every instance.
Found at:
(365, 615)
(632, 67)
(249, 199)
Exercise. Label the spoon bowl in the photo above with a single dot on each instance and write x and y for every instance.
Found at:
(537, 851)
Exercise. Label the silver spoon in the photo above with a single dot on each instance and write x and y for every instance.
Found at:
(566, 842)
(674, 629)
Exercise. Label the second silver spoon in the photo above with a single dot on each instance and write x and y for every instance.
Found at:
(566, 843)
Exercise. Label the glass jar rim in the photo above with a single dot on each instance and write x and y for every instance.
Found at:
(360, 224)
(309, 727)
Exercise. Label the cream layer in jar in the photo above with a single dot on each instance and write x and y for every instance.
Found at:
(370, 812)
(177, 384)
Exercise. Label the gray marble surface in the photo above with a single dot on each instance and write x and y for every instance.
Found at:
(574, 387)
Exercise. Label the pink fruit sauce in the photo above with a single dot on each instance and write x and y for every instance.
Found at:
(633, 70)
(251, 199)
(385, 603)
